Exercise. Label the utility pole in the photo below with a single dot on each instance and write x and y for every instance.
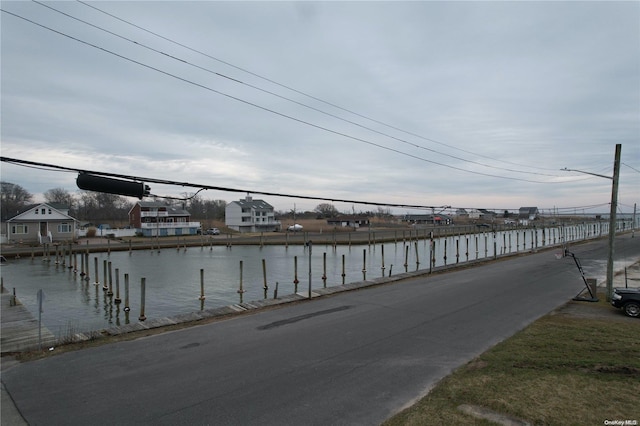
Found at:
(612, 215)
(612, 221)
(633, 224)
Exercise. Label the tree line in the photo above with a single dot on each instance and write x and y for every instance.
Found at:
(98, 207)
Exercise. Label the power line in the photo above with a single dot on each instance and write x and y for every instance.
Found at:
(326, 102)
(632, 168)
(273, 111)
(53, 167)
(235, 80)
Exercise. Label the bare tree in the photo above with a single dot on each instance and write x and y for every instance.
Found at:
(326, 210)
(60, 195)
(13, 198)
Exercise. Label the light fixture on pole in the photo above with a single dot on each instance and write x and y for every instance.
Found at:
(612, 214)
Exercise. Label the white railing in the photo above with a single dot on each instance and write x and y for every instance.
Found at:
(164, 225)
(154, 214)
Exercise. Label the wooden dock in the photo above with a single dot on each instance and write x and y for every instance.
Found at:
(19, 328)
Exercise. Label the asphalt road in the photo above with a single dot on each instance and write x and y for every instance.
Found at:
(350, 359)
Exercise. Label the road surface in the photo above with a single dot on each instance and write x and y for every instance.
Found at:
(354, 358)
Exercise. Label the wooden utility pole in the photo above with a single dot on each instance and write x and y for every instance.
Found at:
(612, 221)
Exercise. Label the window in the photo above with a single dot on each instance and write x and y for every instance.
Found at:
(64, 228)
(36, 211)
(19, 229)
(43, 210)
(49, 211)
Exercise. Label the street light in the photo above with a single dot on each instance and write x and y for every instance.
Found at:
(612, 215)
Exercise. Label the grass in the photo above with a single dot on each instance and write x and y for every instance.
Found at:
(562, 369)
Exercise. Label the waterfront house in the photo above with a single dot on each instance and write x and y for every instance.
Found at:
(427, 219)
(42, 223)
(249, 215)
(350, 221)
(153, 218)
(528, 213)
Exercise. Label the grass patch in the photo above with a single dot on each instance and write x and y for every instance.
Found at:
(560, 370)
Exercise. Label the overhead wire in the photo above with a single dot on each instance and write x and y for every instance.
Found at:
(323, 128)
(28, 163)
(235, 80)
(321, 100)
(203, 187)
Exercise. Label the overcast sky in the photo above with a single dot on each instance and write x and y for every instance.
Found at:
(464, 104)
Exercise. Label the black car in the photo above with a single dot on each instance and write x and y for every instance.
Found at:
(628, 299)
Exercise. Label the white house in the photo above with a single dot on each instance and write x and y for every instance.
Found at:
(251, 215)
(42, 223)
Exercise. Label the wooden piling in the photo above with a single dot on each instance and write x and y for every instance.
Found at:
(406, 256)
(110, 290)
(117, 299)
(467, 248)
(445, 251)
(86, 262)
(324, 269)
(202, 284)
(295, 273)
(95, 262)
(143, 284)
(104, 275)
(364, 264)
(343, 273)
(241, 290)
(126, 292)
(382, 254)
(417, 257)
(265, 287)
(82, 266)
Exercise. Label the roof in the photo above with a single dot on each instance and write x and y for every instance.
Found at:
(29, 214)
(253, 204)
(57, 206)
(527, 212)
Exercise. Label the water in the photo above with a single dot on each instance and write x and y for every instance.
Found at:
(73, 304)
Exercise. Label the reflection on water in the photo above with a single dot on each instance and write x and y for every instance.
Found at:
(75, 303)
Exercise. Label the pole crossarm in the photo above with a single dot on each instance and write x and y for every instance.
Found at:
(587, 173)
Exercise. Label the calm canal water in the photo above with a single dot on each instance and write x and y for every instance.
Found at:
(173, 277)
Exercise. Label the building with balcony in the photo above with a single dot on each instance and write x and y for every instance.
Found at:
(153, 218)
(251, 215)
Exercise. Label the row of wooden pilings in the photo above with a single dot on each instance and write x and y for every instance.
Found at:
(59, 253)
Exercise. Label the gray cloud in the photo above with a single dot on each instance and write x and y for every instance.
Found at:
(525, 86)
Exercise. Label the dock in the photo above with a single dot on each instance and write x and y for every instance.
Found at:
(19, 328)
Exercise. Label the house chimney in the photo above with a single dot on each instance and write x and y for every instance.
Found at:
(248, 198)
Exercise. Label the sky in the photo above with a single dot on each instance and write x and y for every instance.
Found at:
(460, 104)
